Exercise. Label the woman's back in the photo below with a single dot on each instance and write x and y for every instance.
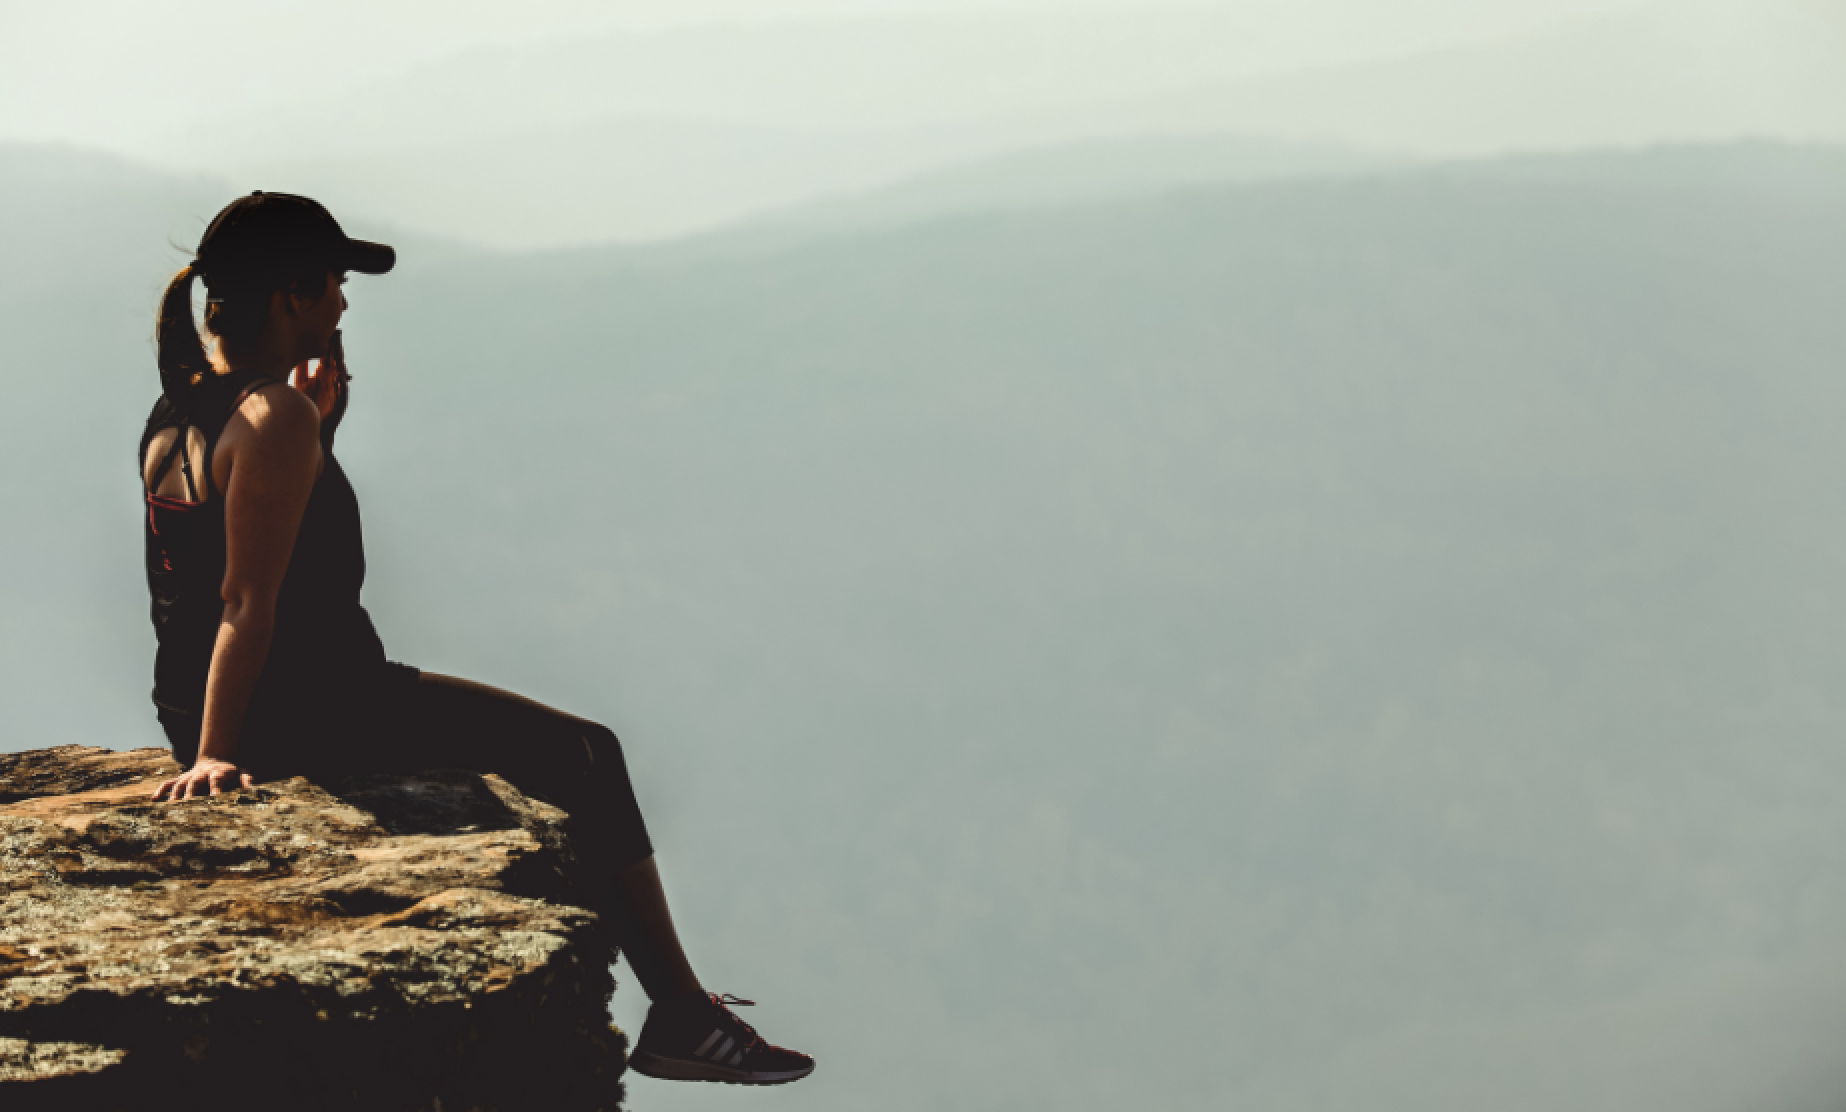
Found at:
(324, 641)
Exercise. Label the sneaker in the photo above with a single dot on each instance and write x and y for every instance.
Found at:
(701, 1039)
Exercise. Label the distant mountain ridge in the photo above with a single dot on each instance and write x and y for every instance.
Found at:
(128, 202)
(72, 217)
(1090, 170)
(646, 136)
(1101, 171)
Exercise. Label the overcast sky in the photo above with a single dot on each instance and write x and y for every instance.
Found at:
(564, 121)
(100, 71)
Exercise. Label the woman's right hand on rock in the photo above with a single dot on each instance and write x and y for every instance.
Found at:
(209, 776)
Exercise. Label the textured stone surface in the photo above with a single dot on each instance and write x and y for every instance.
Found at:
(382, 942)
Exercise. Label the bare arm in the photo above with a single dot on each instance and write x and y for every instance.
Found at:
(272, 455)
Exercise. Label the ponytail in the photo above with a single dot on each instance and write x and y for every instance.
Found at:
(180, 352)
(237, 318)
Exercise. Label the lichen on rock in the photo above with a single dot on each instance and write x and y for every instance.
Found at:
(389, 942)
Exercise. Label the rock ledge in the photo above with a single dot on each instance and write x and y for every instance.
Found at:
(379, 942)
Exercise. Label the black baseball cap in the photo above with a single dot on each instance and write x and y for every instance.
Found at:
(267, 235)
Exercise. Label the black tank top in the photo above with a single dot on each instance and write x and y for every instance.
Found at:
(324, 654)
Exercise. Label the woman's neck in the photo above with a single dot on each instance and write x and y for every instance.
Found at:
(266, 358)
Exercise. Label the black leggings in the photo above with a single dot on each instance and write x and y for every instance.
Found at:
(436, 721)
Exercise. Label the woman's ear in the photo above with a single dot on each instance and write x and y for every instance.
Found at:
(298, 296)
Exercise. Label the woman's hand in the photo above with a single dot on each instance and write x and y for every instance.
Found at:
(326, 386)
(208, 776)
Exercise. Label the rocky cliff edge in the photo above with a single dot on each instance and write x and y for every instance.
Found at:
(377, 943)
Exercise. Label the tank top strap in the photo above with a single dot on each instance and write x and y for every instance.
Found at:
(209, 409)
(245, 383)
(176, 450)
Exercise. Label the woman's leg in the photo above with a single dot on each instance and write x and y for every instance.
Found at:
(658, 960)
(577, 765)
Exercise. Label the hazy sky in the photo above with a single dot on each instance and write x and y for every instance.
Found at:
(103, 70)
(567, 122)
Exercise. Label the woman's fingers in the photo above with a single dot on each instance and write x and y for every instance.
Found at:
(198, 783)
(323, 384)
(312, 382)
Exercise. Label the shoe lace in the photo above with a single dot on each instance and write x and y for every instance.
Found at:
(727, 1001)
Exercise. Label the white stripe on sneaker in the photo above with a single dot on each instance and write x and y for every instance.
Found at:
(709, 1039)
(723, 1049)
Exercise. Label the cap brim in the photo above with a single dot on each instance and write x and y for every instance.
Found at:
(367, 257)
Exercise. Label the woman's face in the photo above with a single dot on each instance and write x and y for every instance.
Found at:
(318, 317)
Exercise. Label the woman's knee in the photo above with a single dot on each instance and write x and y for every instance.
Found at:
(601, 748)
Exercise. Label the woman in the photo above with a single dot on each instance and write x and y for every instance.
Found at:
(268, 663)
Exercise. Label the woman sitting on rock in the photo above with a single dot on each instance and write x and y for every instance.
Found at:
(268, 664)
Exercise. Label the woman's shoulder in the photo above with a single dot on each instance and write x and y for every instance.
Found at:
(273, 421)
(272, 405)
